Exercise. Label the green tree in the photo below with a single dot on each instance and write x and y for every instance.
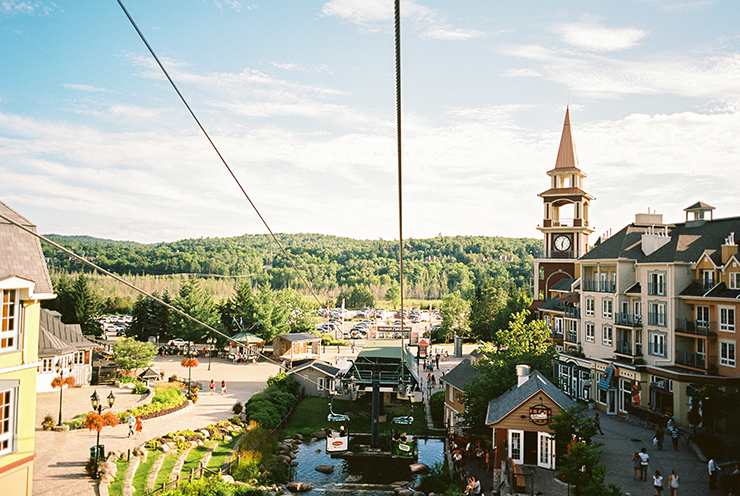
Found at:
(151, 318)
(455, 310)
(581, 467)
(356, 298)
(393, 294)
(299, 316)
(197, 303)
(489, 300)
(131, 355)
(564, 427)
(86, 305)
(270, 315)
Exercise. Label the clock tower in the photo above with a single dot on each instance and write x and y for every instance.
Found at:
(565, 225)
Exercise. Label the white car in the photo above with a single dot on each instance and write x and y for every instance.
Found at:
(178, 342)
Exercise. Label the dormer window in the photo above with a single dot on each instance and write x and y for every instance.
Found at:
(707, 279)
(9, 321)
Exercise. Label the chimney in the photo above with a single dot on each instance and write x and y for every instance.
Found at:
(654, 239)
(729, 248)
(522, 374)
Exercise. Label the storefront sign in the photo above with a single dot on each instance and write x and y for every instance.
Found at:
(659, 383)
(540, 415)
(605, 381)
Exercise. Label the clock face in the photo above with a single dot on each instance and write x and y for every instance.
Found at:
(562, 243)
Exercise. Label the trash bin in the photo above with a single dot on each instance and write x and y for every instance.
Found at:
(99, 450)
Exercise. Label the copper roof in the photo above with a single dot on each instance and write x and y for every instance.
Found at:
(566, 192)
(567, 158)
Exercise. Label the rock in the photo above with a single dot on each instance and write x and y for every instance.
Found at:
(205, 433)
(285, 457)
(165, 448)
(353, 478)
(298, 487)
(418, 468)
(227, 478)
(172, 446)
(419, 493)
(299, 437)
(285, 447)
(293, 464)
(106, 478)
(432, 494)
(404, 492)
(319, 434)
(227, 439)
(325, 469)
(200, 443)
(112, 456)
(400, 484)
(291, 456)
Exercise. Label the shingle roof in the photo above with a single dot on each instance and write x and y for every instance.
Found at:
(300, 336)
(562, 285)
(688, 241)
(57, 338)
(461, 375)
(21, 254)
(500, 407)
(319, 365)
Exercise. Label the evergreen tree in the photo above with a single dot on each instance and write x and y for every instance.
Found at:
(197, 303)
(455, 313)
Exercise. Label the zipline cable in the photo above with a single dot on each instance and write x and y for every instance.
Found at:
(400, 168)
(215, 148)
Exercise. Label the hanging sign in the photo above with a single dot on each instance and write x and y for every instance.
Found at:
(540, 414)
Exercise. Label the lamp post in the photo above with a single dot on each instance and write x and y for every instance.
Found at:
(211, 341)
(95, 401)
(189, 368)
(60, 371)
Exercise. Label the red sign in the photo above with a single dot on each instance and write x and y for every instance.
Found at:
(539, 415)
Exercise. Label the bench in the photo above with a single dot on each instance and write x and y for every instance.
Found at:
(518, 481)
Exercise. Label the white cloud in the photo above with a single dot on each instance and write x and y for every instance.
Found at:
(14, 7)
(292, 66)
(82, 87)
(599, 38)
(514, 73)
(447, 33)
(367, 11)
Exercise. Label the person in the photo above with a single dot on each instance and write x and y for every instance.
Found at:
(644, 460)
(488, 460)
(674, 437)
(673, 483)
(734, 481)
(657, 482)
(223, 388)
(597, 423)
(660, 436)
(636, 464)
(713, 468)
(139, 426)
(213, 386)
(457, 460)
(131, 423)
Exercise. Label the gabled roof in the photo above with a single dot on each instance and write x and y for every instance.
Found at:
(150, 373)
(50, 345)
(246, 338)
(319, 365)
(500, 407)
(21, 254)
(299, 336)
(461, 375)
(699, 206)
(57, 338)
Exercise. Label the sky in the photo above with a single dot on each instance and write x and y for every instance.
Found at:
(299, 97)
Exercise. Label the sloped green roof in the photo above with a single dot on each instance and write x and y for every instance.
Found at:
(247, 338)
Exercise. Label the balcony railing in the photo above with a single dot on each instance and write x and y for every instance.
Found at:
(624, 348)
(628, 319)
(656, 318)
(556, 334)
(602, 287)
(656, 288)
(560, 254)
(572, 312)
(656, 349)
(696, 360)
(571, 337)
(696, 327)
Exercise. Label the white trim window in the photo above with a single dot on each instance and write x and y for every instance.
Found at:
(734, 280)
(9, 307)
(590, 332)
(320, 384)
(727, 355)
(47, 365)
(557, 327)
(590, 307)
(702, 316)
(516, 446)
(656, 344)
(607, 308)
(8, 416)
(727, 319)
(607, 335)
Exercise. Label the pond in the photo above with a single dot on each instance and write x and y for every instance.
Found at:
(361, 470)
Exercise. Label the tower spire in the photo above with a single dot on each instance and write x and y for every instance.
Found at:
(567, 158)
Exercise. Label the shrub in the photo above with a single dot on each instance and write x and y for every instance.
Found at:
(439, 479)
(237, 408)
(285, 382)
(166, 393)
(436, 406)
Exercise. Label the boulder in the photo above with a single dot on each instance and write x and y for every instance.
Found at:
(298, 487)
(227, 478)
(353, 478)
(403, 492)
(293, 464)
(319, 434)
(325, 469)
(291, 456)
(419, 493)
(418, 468)
(165, 448)
(286, 458)
(106, 479)
(299, 437)
(400, 484)
(172, 446)
(285, 447)
(227, 439)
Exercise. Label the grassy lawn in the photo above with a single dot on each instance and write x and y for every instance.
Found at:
(222, 452)
(310, 416)
(194, 458)
(166, 469)
(116, 487)
(142, 473)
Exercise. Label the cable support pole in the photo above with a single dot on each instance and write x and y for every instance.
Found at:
(215, 148)
(400, 168)
(137, 289)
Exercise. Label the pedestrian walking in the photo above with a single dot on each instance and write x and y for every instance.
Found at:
(636, 464)
(139, 426)
(131, 424)
(657, 483)
(213, 386)
(597, 423)
(223, 387)
(713, 468)
(660, 436)
(673, 430)
(644, 461)
(673, 483)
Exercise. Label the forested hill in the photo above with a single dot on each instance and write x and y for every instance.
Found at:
(433, 267)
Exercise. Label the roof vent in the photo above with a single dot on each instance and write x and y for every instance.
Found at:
(522, 374)
(654, 239)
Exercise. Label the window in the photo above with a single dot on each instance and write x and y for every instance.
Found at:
(656, 314)
(707, 279)
(47, 365)
(548, 320)
(734, 280)
(727, 319)
(607, 309)
(515, 446)
(701, 348)
(590, 306)
(79, 358)
(727, 353)
(607, 336)
(702, 316)
(638, 312)
(638, 342)
(625, 389)
(8, 320)
(590, 332)
(656, 284)
(656, 344)
(557, 328)
(8, 416)
(320, 384)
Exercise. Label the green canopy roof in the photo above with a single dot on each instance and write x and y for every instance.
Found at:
(247, 338)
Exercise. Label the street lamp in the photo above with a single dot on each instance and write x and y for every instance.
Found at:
(211, 341)
(95, 401)
(60, 371)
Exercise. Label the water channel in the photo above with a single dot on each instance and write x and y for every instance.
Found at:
(351, 472)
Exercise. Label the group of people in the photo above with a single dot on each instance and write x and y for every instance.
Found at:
(213, 387)
(640, 461)
(135, 425)
(672, 430)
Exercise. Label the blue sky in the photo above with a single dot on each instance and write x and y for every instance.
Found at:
(299, 96)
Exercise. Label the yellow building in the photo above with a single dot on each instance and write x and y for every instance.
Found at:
(24, 282)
